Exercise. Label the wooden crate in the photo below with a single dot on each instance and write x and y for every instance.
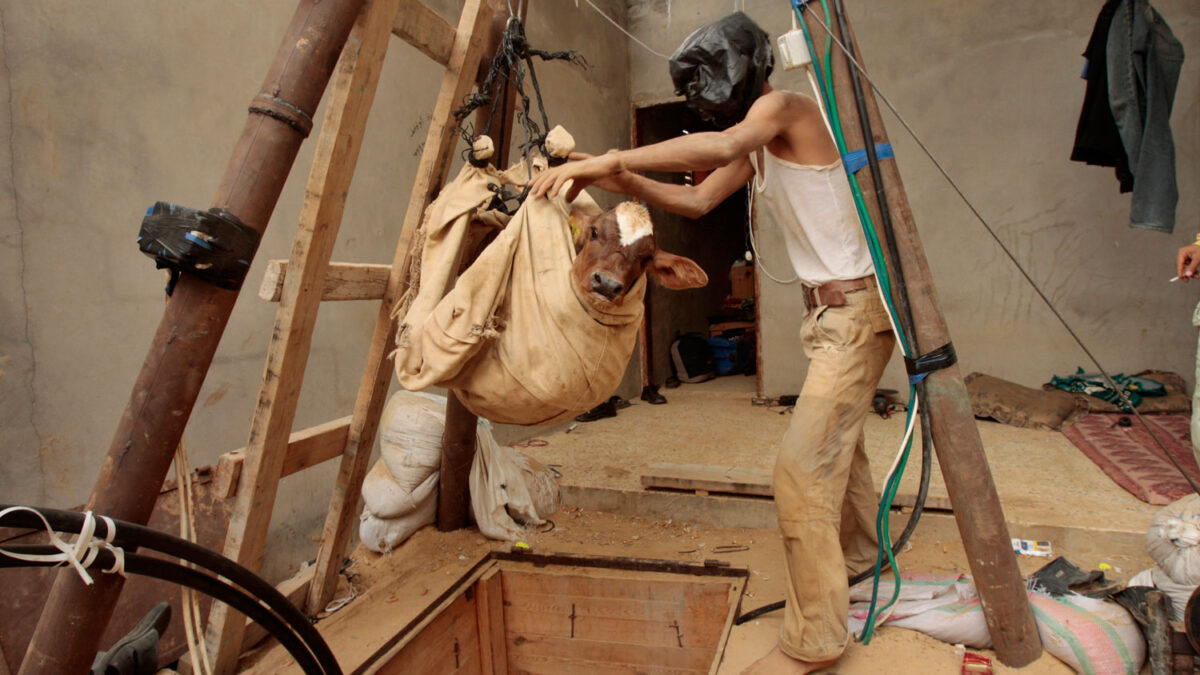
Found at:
(518, 613)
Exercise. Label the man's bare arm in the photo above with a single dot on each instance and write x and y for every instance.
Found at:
(691, 201)
(767, 119)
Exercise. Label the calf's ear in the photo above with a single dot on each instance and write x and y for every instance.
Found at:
(675, 271)
(580, 221)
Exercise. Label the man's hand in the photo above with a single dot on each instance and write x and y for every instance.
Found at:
(584, 172)
(1186, 261)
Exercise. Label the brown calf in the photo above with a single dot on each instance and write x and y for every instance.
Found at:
(616, 247)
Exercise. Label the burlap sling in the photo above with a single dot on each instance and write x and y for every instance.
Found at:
(512, 338)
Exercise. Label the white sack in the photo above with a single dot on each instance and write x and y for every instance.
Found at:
(382, 536)
(1172, 540)
(385, 497)
(501, 498)
(410, 436)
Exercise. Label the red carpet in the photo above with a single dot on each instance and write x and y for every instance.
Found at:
(1130, 456)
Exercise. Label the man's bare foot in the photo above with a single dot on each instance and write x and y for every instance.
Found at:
(778, 663)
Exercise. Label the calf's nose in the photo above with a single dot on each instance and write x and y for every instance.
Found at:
(607, 286)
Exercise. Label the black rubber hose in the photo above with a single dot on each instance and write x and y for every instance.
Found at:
(132, 535)
(166, 570)
(904, 315)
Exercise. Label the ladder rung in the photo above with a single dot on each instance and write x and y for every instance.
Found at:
(307, 447)
(426, 30)
(343, 281)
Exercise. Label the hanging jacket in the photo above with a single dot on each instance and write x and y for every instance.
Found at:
(1097, 139)
(1144, 60)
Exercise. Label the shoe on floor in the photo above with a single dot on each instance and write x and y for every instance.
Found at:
(606, 409)
(650, 395)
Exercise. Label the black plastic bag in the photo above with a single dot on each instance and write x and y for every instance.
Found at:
(721, 68)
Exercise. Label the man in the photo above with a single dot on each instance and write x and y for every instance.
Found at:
(823, 490)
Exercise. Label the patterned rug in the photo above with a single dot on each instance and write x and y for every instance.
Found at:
(1129, 455)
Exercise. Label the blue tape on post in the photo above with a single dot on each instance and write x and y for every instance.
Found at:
(855, 161)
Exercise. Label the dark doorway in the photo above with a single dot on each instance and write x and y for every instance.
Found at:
(715, 241)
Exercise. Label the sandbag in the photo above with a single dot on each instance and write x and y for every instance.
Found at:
(1090, 635)
(384, 535)
(512, 338)
(385, 497)
(1172, 540)
(509, 490)
(1178, 594)
(410, 436)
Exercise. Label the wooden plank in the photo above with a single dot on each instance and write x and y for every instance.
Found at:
(426, 30)
(489, 612)
(336, 156)
(538, 664)
(307, 447)
(343, 281)
(752, 482)
(523, 646)
(735, 598)
(450, 644)
(295, 589)
(377, 375)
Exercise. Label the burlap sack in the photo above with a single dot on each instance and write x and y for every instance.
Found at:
(512, 338)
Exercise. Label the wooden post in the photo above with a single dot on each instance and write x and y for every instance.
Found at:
(329, 181)
(75, 615)
(458, 442)
(977, 508)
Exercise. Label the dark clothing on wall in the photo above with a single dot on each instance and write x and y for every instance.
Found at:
(1097, 139)
(1144, 60)
(1133, 65)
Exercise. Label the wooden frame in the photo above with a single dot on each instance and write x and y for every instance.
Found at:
(548, 613)
(308, 277)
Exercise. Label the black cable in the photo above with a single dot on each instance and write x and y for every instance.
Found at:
(133, 536)
(166, 570)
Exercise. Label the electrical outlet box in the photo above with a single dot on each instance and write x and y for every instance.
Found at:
(793, 52)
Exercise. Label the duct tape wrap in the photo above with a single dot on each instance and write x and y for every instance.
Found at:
(212, 245)
(920, 367)
(854, 162)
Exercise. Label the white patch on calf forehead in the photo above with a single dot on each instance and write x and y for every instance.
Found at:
(633, 222)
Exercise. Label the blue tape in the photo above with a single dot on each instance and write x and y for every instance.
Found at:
(915, 379)
(853, 162)
(197, 240)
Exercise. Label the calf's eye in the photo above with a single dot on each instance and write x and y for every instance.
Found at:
(595, 233)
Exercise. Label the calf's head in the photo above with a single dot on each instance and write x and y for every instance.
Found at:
(616, 247)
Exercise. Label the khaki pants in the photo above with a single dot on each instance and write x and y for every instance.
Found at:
(824, 495)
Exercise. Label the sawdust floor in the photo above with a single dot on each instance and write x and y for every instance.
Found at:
(1040, 476)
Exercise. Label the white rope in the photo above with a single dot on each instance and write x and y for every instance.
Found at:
(80, 554)
(627, 33)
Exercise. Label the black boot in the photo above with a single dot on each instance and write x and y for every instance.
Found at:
(606, 409)
(650, 395)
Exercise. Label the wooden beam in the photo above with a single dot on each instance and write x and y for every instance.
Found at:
(342, 130)
(343, 281)
(489, 612)
(977, 508)
(750, 482)
(426, 30)
(165, 391)
(377, 375)
(307, 447)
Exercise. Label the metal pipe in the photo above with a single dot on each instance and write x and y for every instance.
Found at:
(75, 615)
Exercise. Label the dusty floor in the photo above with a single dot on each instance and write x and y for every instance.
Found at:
(1044, 482)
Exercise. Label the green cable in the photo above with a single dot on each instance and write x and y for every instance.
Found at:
(825, 87)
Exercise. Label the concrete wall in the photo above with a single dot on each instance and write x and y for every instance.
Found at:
(995, 95)
(105, 109)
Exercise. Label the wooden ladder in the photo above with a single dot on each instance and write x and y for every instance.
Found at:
(307, 277)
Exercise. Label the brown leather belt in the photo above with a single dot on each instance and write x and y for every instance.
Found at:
(833, 293)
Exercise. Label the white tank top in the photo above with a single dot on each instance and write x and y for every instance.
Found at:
(815, 209)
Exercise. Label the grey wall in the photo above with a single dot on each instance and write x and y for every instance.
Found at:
(106, 108)
(995, 95)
